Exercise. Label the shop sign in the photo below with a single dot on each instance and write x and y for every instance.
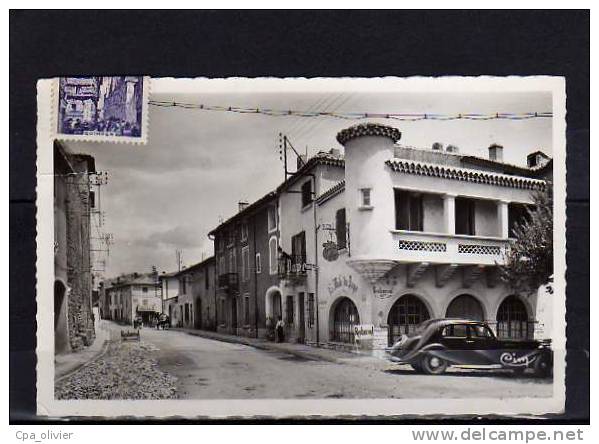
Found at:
(342, 281)
(382, 292)
(364, 331)
(330, 251)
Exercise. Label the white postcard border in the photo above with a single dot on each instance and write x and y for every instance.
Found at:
(48, 406)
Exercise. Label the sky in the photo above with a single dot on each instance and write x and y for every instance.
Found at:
(167, 195)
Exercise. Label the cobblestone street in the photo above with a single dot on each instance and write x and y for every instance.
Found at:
(127, 370)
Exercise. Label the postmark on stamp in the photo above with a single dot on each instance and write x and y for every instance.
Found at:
(102, 108)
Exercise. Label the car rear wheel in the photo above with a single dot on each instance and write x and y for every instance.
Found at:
(433, 365)
(542, 366)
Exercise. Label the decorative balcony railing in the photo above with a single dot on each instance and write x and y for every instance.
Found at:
(228, 281)
(292, 266)
(412, 246)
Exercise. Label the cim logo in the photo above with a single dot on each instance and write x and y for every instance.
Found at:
(510, 359)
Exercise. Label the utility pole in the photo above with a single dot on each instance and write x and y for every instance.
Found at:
(179, 255)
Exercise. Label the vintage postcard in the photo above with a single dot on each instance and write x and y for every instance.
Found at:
(301, 247)
(102, 108)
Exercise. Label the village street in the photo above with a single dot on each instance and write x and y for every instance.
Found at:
(209, 369)
(173, 363)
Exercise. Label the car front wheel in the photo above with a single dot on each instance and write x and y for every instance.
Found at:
(433, 365)
(417, 367)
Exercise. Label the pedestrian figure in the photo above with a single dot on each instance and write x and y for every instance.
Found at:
(280, 331)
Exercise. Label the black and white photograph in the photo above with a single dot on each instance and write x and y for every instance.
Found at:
(376, 246)
(223, 220)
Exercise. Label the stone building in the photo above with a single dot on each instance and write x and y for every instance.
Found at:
(73, 203)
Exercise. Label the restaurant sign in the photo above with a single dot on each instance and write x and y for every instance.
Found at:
(363, 331)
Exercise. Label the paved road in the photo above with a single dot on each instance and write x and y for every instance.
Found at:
(208, 369)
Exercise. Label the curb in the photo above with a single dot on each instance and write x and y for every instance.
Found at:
(261, 346)
(82, 365)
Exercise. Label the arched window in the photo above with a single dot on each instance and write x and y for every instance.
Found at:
(465, 307)
(512, 319)
(345, 317)
(407, 312)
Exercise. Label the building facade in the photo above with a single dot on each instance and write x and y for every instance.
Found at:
(73, 315)
(424, 233)
(195, 303)
(137, 295)
(301, 233)
(246, 260)
(357, 249)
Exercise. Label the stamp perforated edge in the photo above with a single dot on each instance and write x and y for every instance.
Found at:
(142, 140)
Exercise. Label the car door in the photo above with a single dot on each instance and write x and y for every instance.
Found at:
(482, 344)
(457, 345)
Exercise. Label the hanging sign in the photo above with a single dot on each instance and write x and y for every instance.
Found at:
(330, 251)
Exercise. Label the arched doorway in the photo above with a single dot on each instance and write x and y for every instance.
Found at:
(405, 314)
(345, 317)
(274, 307)
(512, 319)
(465, 306)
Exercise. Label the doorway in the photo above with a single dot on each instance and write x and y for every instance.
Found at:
(302, 324)
(198, 314)
(234, 315)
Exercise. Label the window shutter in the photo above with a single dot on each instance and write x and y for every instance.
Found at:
(341, 228)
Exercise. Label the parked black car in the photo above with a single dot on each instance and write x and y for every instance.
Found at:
(439, 343)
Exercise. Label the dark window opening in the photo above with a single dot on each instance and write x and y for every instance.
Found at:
(246, 310)
(298, 251)
(408, 211)
(464, 216)
(310, 309)
(289, 310)
(306, 193)
(512, 320)
(341, 229)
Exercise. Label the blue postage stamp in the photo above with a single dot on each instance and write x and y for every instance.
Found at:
(102, 108)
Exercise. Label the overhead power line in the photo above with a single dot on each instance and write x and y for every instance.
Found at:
(409, 117)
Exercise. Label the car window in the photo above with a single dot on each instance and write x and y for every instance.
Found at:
(455, 331)
(480, 331)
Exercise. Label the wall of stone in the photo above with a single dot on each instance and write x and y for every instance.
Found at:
(79, 279)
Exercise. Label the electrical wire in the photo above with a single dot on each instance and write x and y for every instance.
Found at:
(409, 117)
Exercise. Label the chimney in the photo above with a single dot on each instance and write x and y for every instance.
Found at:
(496, 152)
(302, 159)
(243, 204)
(335, 152)
(452, 149)
(437, 146)
(537, 159)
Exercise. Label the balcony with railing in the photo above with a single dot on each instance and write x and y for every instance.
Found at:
(411, 246)
(292, 267)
